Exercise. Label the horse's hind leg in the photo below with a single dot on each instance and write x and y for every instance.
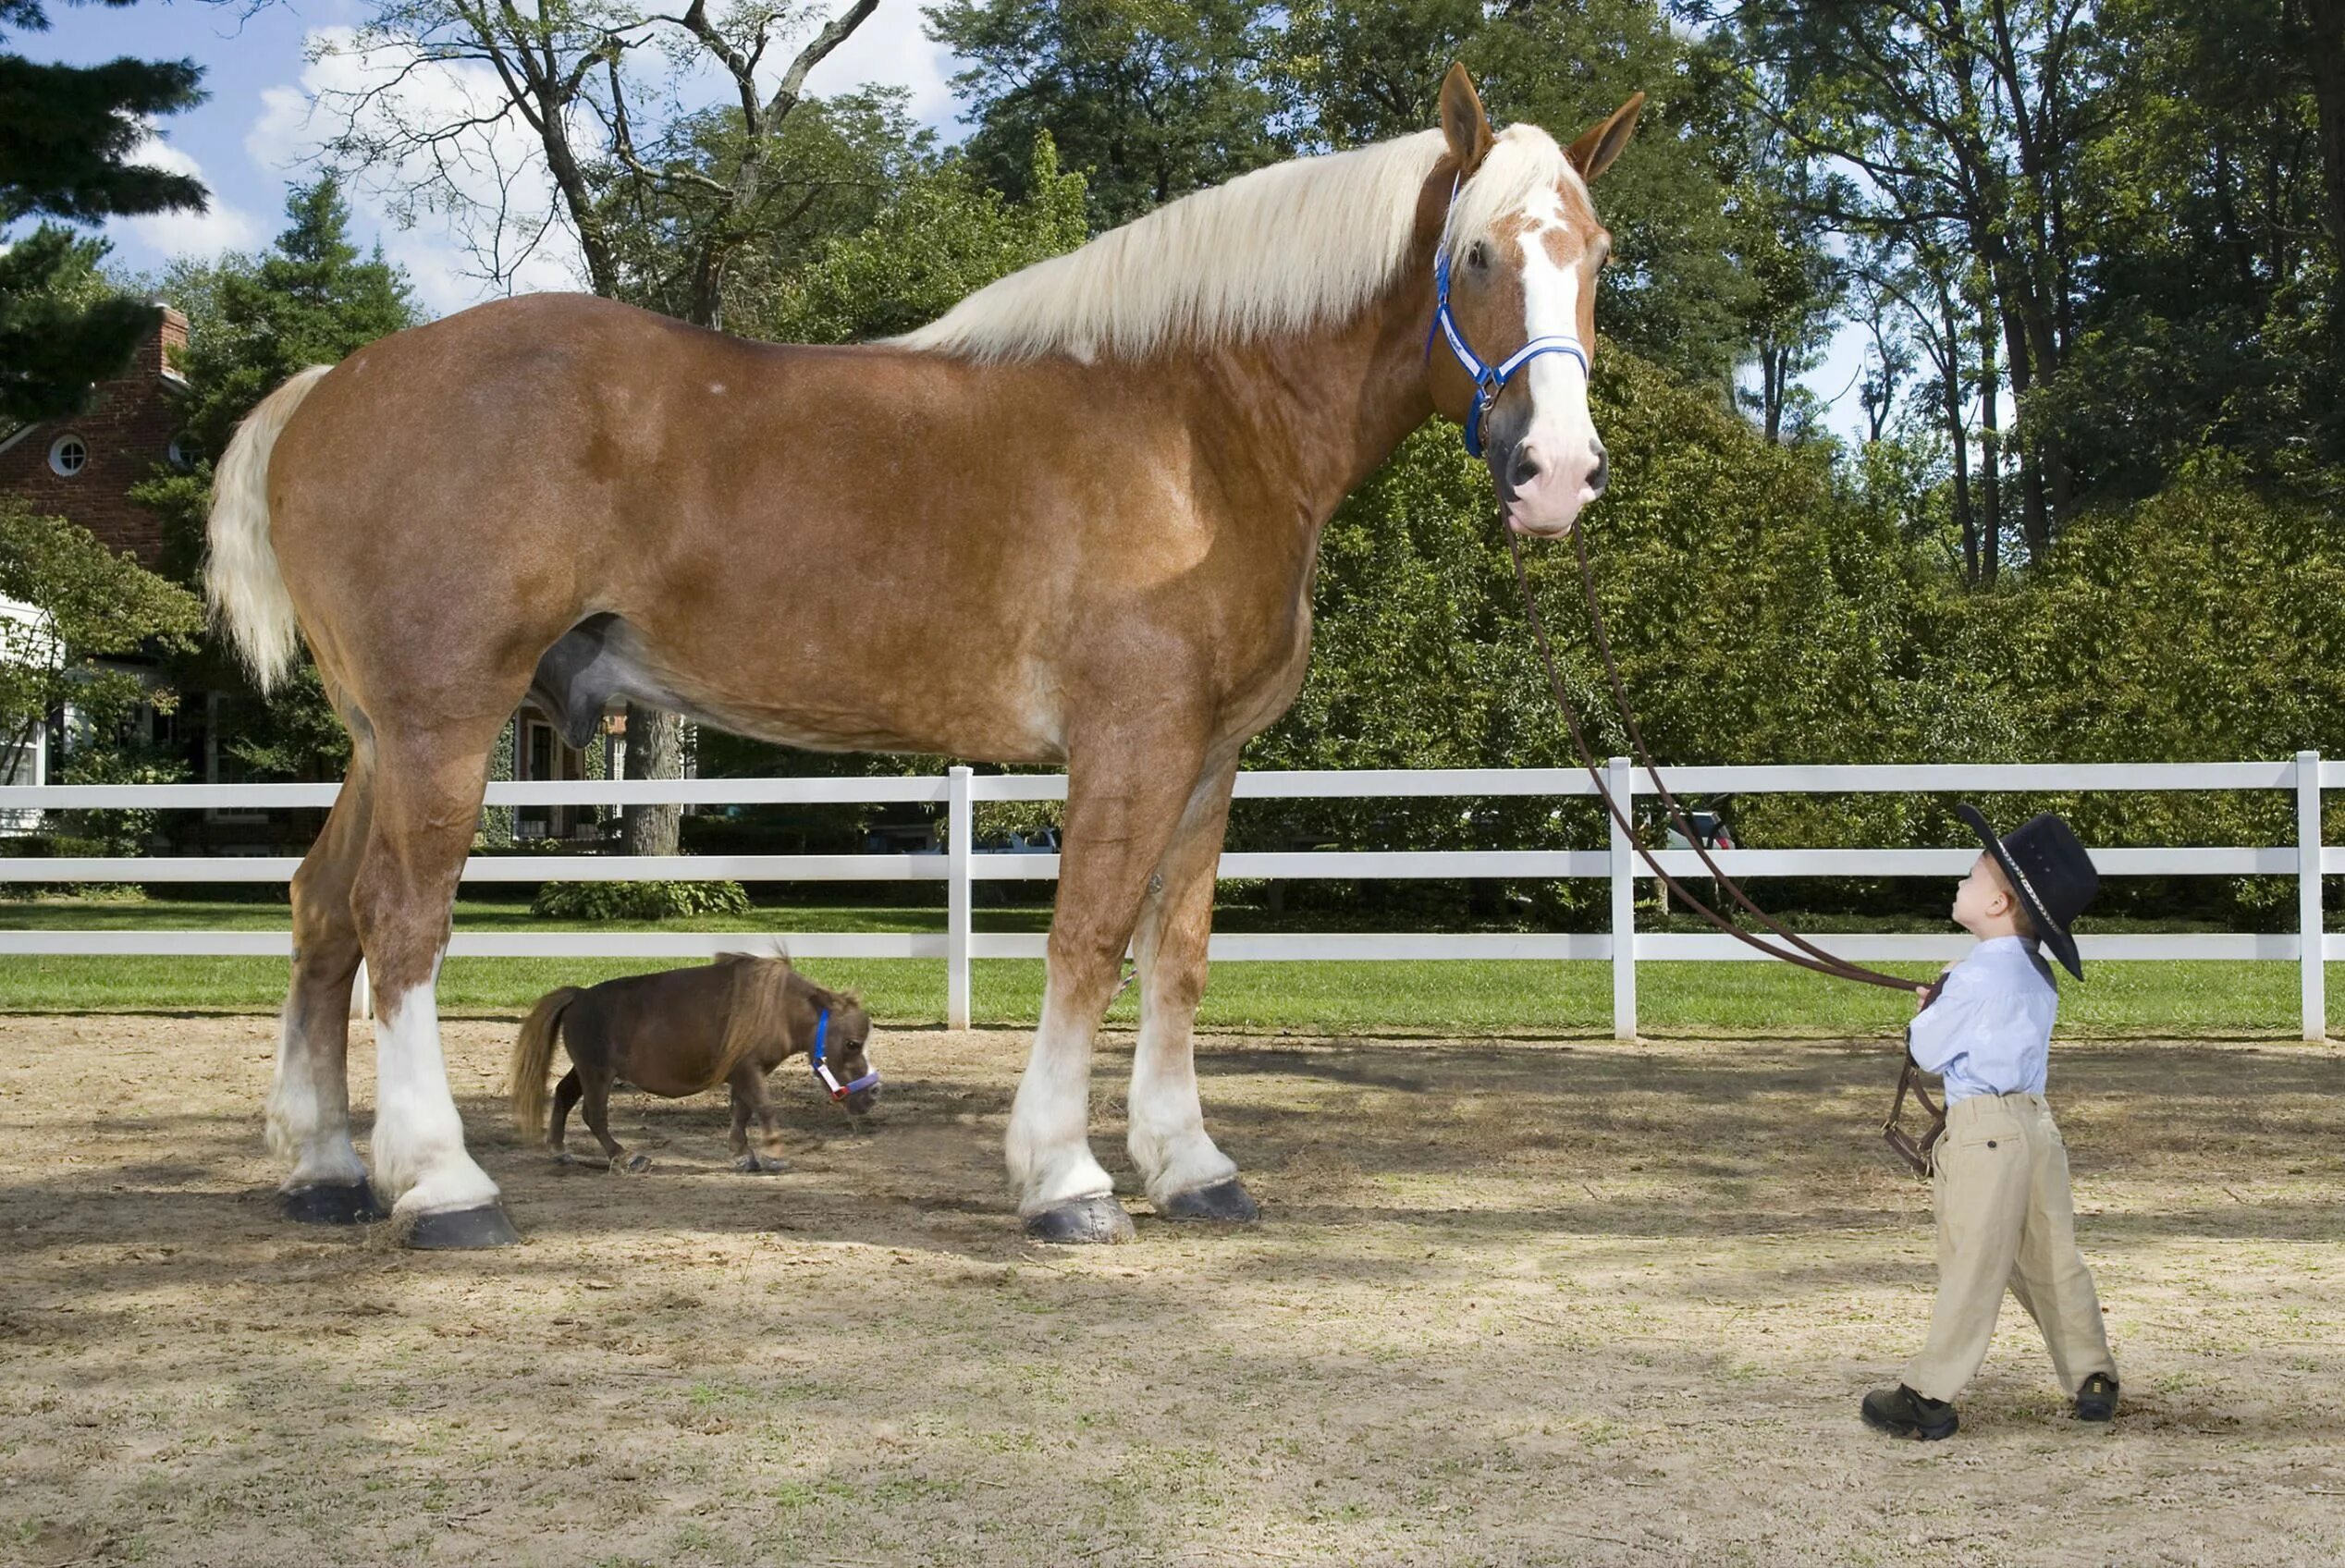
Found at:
(566, 1095)
(308, 1115)
(430, 772)
(1188, 1177)
(1124, 796)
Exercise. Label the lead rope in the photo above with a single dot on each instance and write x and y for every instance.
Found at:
(1810, 956)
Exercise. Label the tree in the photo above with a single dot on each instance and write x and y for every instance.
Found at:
(1949, 115)
(943, 238)
(312, 298)
(67, 134)
(97, 607)
(1147, 102)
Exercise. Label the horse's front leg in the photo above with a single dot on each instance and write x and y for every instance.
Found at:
(428, 782)
(751, 1102)
(1124, 797)
(1188, 1177)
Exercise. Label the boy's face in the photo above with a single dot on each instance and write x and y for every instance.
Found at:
(1983, 898)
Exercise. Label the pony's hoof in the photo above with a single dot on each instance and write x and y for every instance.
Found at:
(1226, 1201)
(761, 1164)
(463, 1229)
(332, 1202)
(631, 1164)
(1084, 1222)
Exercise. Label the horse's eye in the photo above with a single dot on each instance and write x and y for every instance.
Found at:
(1478, 256)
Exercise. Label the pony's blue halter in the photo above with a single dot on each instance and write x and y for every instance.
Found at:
(827, 1079)
(1488, 382)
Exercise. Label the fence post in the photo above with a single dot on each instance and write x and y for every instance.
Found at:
(2310, 964)
(1624, 905)
(961, 835)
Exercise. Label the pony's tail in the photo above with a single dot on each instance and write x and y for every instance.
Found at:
(532, 1056)
(241, 579)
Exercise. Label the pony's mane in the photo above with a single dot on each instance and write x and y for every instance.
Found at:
(1283, 248)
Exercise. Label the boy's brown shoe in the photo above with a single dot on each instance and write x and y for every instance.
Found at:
(2096, 1401)
(1904, 1414)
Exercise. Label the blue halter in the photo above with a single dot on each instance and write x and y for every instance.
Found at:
(1488, 382)
(827, 1079)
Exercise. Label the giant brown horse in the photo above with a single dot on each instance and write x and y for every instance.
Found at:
(1073, 522)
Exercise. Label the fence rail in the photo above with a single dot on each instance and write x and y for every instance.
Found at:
(960, 867)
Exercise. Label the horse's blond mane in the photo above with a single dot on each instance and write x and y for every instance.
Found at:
(1283, 248)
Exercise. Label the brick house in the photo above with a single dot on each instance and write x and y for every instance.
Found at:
(81, 468)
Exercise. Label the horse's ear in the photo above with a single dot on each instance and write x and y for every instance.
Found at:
(1593, 153)
(1463, 124)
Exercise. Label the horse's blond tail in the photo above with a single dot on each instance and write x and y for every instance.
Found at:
(532, 1056)
(240, 578)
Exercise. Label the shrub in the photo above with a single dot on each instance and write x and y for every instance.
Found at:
(637, 901)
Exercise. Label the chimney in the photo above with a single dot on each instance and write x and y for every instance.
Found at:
(171, 343)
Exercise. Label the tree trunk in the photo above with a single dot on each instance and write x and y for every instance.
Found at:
(1959, 436)
(655, 750)
(1990, 457)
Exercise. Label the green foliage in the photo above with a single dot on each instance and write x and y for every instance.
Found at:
(944, 238)
(66, 133)
(836, 164)
(1148, 101)
(312, 298)
(637, 901)
(99, 606)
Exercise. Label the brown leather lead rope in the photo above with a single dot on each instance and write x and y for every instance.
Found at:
(1811, 956)
(1628, 717)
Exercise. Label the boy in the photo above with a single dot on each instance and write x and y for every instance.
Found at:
(2000, 1173)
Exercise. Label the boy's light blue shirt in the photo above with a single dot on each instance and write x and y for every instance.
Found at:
(1990, 1031)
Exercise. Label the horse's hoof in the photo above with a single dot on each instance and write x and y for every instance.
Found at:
(332, 1202)
(463, 1229)
(1084, 1222)
(1227, 1201)
(631, 1164)
(765, 1165)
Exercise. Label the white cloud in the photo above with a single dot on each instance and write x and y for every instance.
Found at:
(221, 227)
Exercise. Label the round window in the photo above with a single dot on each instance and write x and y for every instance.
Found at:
(183, 452)
(68, 455)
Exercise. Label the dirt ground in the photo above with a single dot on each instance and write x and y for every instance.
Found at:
(1532, 1302)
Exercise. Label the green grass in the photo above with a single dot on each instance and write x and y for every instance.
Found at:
(1477, 997)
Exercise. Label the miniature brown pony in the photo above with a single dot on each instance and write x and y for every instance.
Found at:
(683, 1031)
(1071, 523)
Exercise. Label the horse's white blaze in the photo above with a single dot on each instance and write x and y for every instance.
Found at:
(310, 1113)
(1562, 431)
(1050, 1150)
(419, 1139)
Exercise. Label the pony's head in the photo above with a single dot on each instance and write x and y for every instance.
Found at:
(1519, 254)
(847, 1048)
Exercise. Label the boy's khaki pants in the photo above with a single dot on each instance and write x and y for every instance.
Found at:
(2001, 1189)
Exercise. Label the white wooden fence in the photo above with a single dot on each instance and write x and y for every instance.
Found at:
(960, 867)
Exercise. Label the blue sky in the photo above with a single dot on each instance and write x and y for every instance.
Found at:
(249, 140)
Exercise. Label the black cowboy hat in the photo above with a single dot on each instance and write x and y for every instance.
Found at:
(2049, 867)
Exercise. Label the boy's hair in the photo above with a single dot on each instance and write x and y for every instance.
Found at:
(2021, 917)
